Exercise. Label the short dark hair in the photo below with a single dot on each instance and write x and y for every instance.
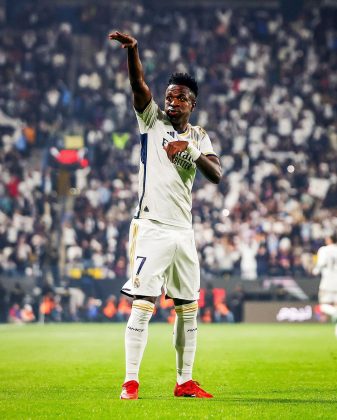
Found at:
(333, 237)
(184, 79)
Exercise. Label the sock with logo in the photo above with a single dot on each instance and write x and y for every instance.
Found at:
(136, 337)
(185, 340)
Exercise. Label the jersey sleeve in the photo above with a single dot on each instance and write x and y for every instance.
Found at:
(148, 117)
(206, 146)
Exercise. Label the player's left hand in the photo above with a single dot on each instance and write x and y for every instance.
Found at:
(175, 147)
(126, 40)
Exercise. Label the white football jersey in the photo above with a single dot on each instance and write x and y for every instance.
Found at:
(165, 187)
(327, 266)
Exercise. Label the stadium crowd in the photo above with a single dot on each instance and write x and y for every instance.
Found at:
(267, 100)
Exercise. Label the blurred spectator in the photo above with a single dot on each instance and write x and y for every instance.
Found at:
(16, 295)
(93, 306)
(14, 314)
(207, 311)
(110, 308)
(262, 261)
(76, 303)
(50, 308)
(222, 313)
(164, 308)
(3, 303)
(248, 264)
(236, 302)
(123, 309)
(27, 314)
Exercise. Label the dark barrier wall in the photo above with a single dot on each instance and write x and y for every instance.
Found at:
(281, 312)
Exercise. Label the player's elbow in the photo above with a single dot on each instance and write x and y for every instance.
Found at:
(211, 169)
(217, 176)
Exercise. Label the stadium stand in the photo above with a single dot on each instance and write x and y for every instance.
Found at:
(267, 99)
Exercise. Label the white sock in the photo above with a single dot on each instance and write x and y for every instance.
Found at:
(136, 337)
(328, 309)
(185, 340)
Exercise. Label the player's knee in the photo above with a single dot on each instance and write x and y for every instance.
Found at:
(178, 302)
(187, 311)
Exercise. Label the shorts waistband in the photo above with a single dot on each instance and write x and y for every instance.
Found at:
(162, 225)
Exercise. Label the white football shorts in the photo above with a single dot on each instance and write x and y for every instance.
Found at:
(162, 258)
(327, 296)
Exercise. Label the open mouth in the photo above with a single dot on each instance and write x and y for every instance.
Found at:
(173, 112)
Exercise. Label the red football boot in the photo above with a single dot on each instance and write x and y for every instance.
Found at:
(130, 390)
(190, 389)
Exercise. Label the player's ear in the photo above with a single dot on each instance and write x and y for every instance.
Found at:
(194, 103)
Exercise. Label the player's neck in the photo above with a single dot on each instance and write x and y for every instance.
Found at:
(180, 128)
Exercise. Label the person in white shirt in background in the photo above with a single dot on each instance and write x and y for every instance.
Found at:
(327, 266)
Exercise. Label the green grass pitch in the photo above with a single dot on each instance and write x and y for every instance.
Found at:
(74, 371)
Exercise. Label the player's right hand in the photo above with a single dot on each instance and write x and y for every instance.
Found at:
(175, 147)
(126, 40)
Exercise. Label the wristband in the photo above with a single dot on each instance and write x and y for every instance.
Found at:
(194, 152)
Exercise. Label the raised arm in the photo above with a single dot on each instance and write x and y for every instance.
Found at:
(141, 92)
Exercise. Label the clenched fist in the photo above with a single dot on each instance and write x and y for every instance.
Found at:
(175, 147)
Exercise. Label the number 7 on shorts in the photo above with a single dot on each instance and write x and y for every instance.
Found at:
(142, 262)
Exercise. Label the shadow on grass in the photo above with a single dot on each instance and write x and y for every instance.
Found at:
(281, 400)
(247, 400)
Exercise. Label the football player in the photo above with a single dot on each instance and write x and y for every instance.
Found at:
(162, 250)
